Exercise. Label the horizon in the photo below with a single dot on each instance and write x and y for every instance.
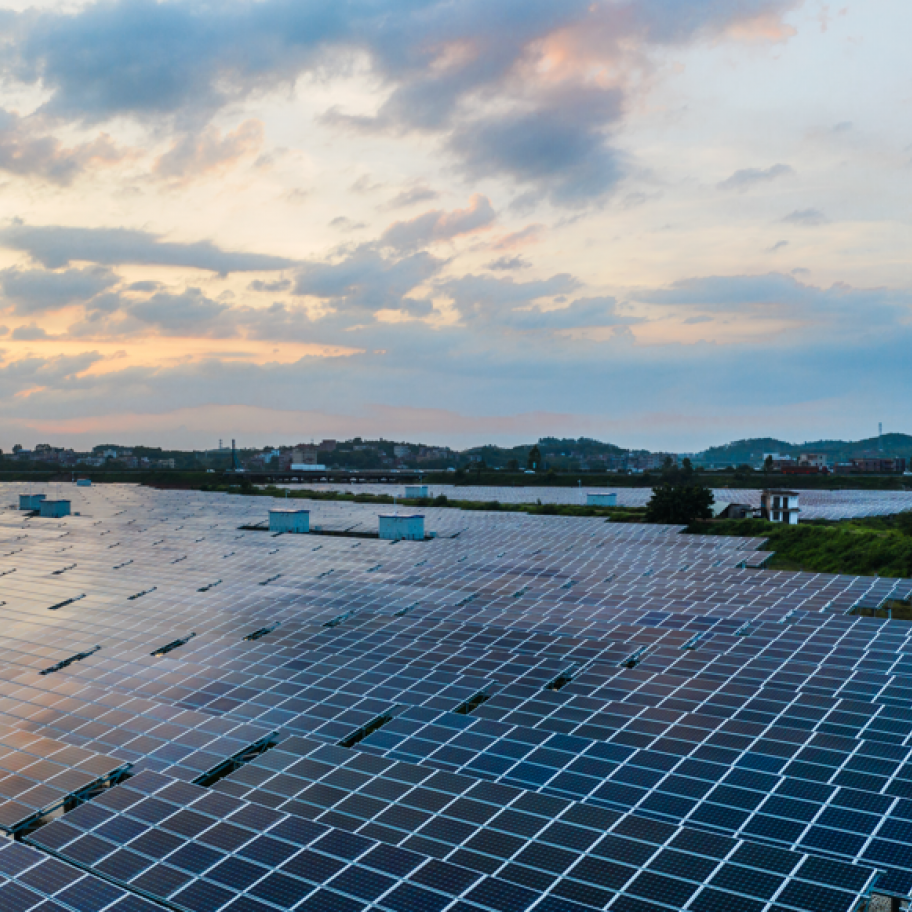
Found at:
(431, 443)
(656, 221)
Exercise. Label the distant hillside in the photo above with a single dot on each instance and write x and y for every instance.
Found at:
(751, 451)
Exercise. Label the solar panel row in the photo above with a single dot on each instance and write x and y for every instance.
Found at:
(536, 712)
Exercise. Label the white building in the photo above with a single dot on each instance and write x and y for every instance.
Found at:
(780, 507)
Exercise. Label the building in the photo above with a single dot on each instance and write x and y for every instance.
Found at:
(54, 509)
(813, 460)
(793, 469)
(304, 455)
(871, 466)
(400, 527)
(780, 507)
(289, 521)
(400, 451)
(649, 462)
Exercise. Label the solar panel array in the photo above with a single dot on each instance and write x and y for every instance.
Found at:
(815, 504)
(543, 713)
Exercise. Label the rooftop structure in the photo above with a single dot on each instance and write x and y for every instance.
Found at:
(54, 509)
(293, 521)
(399, 527)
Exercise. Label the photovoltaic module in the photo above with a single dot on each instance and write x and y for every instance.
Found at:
(522, 713)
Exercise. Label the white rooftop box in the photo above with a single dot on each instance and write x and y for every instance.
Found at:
(293, 521)
(413, 492)
(83, 482)
(396, 527)
(31, 501)
(601, 500)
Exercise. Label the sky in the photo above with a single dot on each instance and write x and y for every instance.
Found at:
(661, 223)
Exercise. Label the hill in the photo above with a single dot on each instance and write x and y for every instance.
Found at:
(751, 451)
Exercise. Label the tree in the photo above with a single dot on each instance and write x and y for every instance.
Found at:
(768, 464)
(17, 447)
(687, 468)
(513, 465)
(534, 461)
(904, 522)
(679, 504)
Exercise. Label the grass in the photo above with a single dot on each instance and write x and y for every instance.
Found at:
(860, 547)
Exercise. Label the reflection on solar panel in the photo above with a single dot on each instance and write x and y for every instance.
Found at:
(543, 713)
(814, 504)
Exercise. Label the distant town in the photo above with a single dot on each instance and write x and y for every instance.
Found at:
(887, 454)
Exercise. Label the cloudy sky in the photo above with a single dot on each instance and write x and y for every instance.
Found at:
(664, 223)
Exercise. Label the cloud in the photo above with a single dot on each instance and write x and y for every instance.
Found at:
(531, 234)
(558, 148)
(190, 313)
(209, 153)
(437, 225)
(517, 89)
(582, 313)
(809, 218)
(344, 223)
(779, 245)
(747, 178)
(835, 309)
(56, 246)
(411, 196)
(272, 287)
(26, 151)
(30, 333)
(365, 184)
(506, 263)
(488, 298)
(57, 374)
(366, 281)
(37, 290)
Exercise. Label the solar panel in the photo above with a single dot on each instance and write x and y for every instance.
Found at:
(525, 712)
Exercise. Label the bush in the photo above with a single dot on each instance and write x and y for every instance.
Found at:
(679, 504)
